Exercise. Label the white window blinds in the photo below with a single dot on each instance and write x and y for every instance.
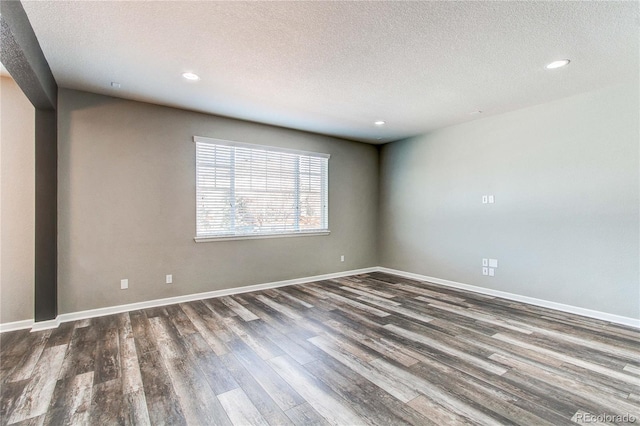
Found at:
(253, 190)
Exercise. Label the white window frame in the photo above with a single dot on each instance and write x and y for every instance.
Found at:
(258, 235)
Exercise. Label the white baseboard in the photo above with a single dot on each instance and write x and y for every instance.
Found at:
(618, 319)
(16, 325)
(46, 325)
(92, 313)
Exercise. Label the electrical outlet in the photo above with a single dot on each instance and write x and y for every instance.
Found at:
(491, 199)
(342, 258)
(492, 272)
(169, 279)
(124, 284)
(485, 271)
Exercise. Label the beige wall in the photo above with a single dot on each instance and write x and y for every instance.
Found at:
(17, 203)
(565, 224)
(127, 206)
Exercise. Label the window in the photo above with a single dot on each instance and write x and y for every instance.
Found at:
(245, 190)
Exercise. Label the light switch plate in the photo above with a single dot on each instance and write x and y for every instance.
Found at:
(491, 199)
(485, 199)
(124, 284)
(485, 262)
(485, 271)
(492, 272)
(493, 263)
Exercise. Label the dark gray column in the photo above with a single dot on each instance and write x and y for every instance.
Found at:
(46, 245)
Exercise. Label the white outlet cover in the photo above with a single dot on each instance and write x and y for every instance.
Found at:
(342, 258)
(493, 263)
(124, 284)
(485, 199)
(485, 271)
(485, 262)
(492, 272)
(491, 199)
(169, 279)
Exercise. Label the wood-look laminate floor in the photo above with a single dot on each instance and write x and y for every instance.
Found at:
(370, 349)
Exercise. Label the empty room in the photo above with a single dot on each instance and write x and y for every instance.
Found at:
(319, 213)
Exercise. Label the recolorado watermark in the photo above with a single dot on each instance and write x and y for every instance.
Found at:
(604, 418)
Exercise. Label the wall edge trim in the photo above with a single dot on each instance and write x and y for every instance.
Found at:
(16, 325)
(92, 313)
(589, 313)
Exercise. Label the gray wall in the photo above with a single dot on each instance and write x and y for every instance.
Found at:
(17, 203)
(127, 206)
(565, 225)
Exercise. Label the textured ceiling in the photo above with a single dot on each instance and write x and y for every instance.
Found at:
(336, 67)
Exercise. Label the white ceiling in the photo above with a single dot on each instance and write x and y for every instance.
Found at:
(336, 67)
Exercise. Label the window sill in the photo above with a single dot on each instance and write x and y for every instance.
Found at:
(259, 237)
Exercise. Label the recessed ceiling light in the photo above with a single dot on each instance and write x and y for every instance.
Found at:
(557, 64)
(190, 76)
(379, 123)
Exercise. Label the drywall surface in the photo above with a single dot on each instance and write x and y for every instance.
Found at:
(127, 206)
(565, 223)
(17, 203)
